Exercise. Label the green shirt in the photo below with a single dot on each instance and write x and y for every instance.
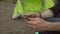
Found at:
(37, 5)
(33, 6)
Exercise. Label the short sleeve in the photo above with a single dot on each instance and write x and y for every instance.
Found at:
(49, 4)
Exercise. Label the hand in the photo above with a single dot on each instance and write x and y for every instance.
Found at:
(38, 24)
(27, 15)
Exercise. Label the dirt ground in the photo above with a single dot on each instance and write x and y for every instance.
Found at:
(9, 26)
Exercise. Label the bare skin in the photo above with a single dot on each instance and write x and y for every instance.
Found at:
(44, 14)
(39, 24)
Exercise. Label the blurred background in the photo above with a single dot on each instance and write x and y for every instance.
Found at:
(13, 1)
(9, 26)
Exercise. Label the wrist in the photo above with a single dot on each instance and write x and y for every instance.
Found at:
(52, 26)
(38, 14)
(49, 26)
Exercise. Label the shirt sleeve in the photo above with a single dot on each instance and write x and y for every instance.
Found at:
(49, 4)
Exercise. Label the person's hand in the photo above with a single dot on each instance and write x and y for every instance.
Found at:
(38, 24)
(28, 15)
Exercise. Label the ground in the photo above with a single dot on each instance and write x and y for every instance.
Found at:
(9, 26)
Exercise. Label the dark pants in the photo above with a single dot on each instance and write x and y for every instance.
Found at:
(51, 20)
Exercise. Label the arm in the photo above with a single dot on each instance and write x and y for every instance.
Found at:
(46, 14)
(43, 25)
(54, 26)
(51, 12)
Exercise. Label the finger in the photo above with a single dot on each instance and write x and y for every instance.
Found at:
(30, 19)
(34, 19)
(26, 19)
(32, 22)
(32, 26)
(28, 14)
(42, 20)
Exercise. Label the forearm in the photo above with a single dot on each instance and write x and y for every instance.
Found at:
(46, 14)
(54, 26)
